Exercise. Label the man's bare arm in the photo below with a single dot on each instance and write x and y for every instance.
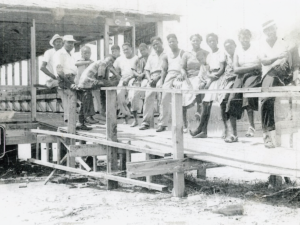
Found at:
(46, 71)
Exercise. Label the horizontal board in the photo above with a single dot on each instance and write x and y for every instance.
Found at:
(87, 150)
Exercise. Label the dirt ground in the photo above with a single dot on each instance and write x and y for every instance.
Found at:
(60, 204)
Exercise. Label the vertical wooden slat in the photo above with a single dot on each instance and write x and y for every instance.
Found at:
(13, 73)
(95, 163)
(0, 75)
(72, 124)
(28, 72)
(33, 72)
(6, 75)
(177, 139)
(20, 73)
(116, 39)
(111, 135)
(149, 178)
(133, 38)
(47, 152)
(106, 39)
(37, 70)
(58, 153)
(98, 49)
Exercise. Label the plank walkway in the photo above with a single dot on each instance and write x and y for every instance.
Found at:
(248, 154)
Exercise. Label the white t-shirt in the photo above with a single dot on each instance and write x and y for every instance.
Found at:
(247, 57)
(48, 58)
(215, 58)
(63, 58)
(266, 51)
(125, 65)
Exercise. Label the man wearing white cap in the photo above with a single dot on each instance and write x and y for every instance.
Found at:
(47, 66)
(277, 71)
(65, 70)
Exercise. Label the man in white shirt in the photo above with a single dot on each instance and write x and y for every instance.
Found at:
(65, 70)
(47, 65)
(124, 66)
(277, 71)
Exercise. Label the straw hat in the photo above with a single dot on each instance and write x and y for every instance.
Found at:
(69, 38)
(268, 24)
(56, 36)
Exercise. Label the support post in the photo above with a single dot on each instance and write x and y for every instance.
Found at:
(98, 49)
(20, 73)
(58, 153)
(72, 124)
(13, 73)
(111, 135)
(33, 72)
(106, 39)
(133, 38)
(37, 69)
(6, 75)
(149, 178)
(28, 72)
(177, 139)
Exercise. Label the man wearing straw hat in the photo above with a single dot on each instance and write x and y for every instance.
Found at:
(277, 71)
(47, 66)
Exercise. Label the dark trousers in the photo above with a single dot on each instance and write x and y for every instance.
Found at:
(87, 106)
(272, 79)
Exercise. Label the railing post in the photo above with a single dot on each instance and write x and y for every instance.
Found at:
(177, 139)
(71, 123)
(13, 73)
(111, 135)
(20, 73)
(33, 72)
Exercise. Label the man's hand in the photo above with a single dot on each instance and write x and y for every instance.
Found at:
(283, 55)
(74, 87)
(180, 77)
(213, 77)
(139, 78)
(60, 70)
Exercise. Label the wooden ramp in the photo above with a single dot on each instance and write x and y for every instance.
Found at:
(248, 154)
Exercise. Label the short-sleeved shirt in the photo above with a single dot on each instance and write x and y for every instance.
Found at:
(126, 65)
(203, 72)
(92, 73)
(214, 59)
(249, 57)
(190, 63)
(48, 58)
(266, 51)
(80, 70)
(155, 62)
(65, 59)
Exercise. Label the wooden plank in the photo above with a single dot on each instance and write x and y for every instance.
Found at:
(83, 164)
(46, 139)
(20, 73)
(72, 125)
(14, 88)
(104, 142)
(272, 94)
(29, 72)
(33, 72)
(148, 177)
(87, 150)
(177, 139)
(162, 166)
(106, 39)
(0, 75)
(58, 151)
(13, 73)
(111, 134)
(6, 75)
(101, 175)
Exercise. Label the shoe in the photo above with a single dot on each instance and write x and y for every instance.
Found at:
(194, 132)
(90, 120)
(185, 130)
(66, 121)
(268, 141)
(200, 135)
(231, 139)
(161, 129)
(250, 132)
(83, 127)
(197, 116)
(134, 124)
(143, 127)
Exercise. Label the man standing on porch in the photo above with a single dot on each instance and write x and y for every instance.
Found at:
(171, 69)
(47, 65)
(153, 70)
(65, 69)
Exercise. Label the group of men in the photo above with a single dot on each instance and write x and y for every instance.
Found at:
(155, 69)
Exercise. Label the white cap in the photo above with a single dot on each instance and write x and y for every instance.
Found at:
(56, 36)
(268, 24)
(69, 38)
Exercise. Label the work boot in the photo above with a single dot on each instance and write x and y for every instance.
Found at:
(161, 128)
(90, 120)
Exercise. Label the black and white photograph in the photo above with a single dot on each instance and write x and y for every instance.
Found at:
(161, 112)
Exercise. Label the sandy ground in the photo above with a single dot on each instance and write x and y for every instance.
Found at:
(60, 204)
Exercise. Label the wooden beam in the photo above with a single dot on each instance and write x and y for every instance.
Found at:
(33, 72)
(72, 124)
(111, 134)
(177, 139)
(83, 164)
(103, 142)
(87, 150)
(101, 175)
(13, 73)
(20, 73)
(28, 73)
(162, 166)
(106, 39)
(46, 139)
